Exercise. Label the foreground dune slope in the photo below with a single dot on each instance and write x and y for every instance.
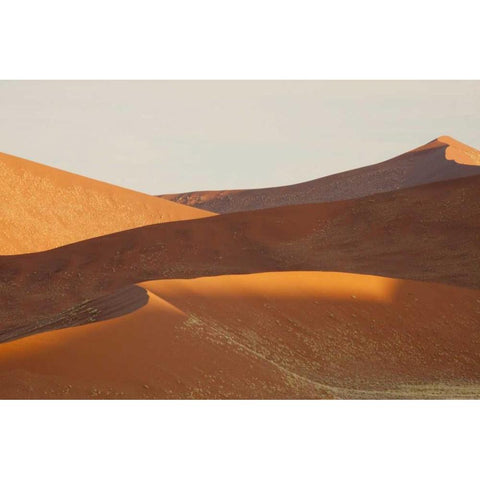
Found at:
(425, 233)
(42, 207)
(442, 159)
(271, 335)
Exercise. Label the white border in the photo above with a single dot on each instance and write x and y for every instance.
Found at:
(191, 39)
(240, 439)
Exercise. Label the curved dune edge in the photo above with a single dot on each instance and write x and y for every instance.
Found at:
(120, 302)
(42, 207)
(270, 335)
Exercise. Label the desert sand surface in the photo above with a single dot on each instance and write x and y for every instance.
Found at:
(110, 293)
(441, 159)
(269, 335)
(42, 207)
(424, 233)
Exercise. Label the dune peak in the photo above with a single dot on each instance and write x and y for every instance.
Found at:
(459, 152)
(455, 150)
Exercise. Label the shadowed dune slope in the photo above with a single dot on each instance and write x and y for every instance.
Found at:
(426, 233)
(441, 159)
(271, 335)
(42, 207)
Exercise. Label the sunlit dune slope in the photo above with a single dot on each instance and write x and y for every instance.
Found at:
(42, 207)
(442, 159)
(424, 233)
(272, 335)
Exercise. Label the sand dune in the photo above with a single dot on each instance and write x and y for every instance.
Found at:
(42, 207)
(442, 159)
(272, 335)
(101, 295)
(423, 233)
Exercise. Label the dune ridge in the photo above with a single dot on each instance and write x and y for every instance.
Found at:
(441, 159)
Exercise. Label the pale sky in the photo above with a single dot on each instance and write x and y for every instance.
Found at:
(177, 136)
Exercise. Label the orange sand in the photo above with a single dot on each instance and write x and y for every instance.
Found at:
(42, 207)
(272, 335)
(459, 152)
(425, 233)
(283, 334)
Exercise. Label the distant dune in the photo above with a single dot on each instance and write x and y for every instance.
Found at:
(42, 207)
(272, 335)
(423, 233)
(441, 159)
